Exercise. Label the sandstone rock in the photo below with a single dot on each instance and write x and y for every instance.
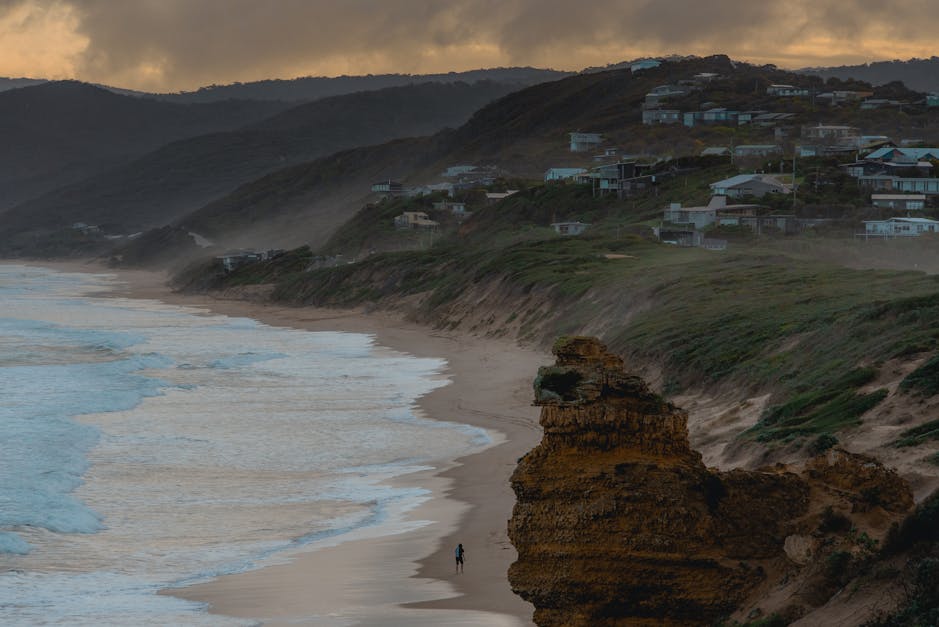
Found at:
(800, 549)
(618, 521)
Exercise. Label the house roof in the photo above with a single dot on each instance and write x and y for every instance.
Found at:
(912, 153)
(898, 196)
(740, 179)
(910, 220)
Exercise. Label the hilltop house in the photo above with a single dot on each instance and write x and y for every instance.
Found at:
(906, 202)
(749, 185)
(415, 220)
(899, 227)
(645, 64)
(585, 142)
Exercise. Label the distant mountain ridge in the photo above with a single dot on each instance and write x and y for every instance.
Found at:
(309, 88)
(57, 133)
(315, 87)
(16, 83)
(180, 177)
(918, 74)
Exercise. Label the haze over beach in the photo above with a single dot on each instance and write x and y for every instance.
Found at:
(469, 313)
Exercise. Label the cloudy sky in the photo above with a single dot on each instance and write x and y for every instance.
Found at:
(169, 45)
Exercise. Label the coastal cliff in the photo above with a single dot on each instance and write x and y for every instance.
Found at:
(619, 522)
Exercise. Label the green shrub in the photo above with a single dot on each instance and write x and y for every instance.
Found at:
(924, 380)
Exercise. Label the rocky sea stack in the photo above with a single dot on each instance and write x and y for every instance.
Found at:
(619, 522)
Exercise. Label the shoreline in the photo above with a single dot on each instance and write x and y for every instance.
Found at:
(405, 578)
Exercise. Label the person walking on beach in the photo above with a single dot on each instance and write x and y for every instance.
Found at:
(459, 558)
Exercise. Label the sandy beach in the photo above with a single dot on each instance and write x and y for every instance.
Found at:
(406, 578)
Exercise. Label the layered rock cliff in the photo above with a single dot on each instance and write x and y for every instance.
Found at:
(618, 521)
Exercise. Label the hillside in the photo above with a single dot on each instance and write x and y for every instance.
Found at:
(918, 74)
(316, 87)
(521, 134)
(175, 179)
(60, 132)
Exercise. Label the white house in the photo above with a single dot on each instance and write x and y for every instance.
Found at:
(560, 174)
(645, 64)
(415, 220)
(585, 142)
(900, 227)
(569, 228)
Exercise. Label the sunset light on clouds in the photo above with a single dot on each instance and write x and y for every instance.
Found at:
(168, 45)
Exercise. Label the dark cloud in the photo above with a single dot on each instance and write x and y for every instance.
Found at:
(184, 43)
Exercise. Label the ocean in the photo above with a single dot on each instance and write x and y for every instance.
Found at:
(148, 446)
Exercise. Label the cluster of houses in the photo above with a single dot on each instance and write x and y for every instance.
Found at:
(898, 178)
(458, 178)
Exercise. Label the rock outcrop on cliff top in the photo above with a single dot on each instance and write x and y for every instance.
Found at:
(618, 521)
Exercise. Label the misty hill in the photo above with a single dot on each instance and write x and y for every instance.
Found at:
(918, 74)
(521, 133)
(16, 83)
(182, 176)
(316, 87)
(59, 132)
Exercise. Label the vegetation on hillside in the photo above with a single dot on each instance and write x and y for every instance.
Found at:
(814, 332)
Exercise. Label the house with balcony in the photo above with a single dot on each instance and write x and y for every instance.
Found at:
(903, 202)
(389, 188)
(415, 220)
(899, 227)
(621, 178)
(562, 174)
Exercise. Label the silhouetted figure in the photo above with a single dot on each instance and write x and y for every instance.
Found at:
(459, 558)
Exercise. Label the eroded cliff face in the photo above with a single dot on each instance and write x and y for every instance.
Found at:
(618, 521)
